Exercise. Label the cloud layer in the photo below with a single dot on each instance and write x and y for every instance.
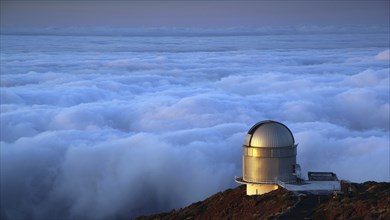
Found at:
(115, 126)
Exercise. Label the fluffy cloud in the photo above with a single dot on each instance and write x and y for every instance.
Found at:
(113, 127)
(384, 55)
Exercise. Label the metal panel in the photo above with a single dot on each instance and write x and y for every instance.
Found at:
(247, 139)
(271, 135)
(257, 169)
(269, 152)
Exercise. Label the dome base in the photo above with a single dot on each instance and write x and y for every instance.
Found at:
(253, 188)
(259, 189)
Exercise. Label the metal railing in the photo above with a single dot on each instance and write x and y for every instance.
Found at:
(269, 182)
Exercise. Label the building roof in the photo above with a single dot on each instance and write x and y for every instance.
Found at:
(269, 134)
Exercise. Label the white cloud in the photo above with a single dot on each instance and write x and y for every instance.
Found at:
(384, 55)
(117, 126)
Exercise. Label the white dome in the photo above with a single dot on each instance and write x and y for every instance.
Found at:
(269, 134)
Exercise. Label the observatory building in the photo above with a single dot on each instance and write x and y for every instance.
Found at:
(268, 158)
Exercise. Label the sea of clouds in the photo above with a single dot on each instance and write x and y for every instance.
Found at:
(119, 124)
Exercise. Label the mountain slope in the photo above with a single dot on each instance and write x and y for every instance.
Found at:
(369, 200)
(233, 204)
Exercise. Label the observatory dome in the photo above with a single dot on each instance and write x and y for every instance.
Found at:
(269, 134)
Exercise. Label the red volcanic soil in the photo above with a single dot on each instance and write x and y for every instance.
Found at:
(369, 200)
(233, 204)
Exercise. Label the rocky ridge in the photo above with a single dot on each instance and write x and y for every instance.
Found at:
(369, 200)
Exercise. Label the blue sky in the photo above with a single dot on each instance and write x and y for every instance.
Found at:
(192, 13)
